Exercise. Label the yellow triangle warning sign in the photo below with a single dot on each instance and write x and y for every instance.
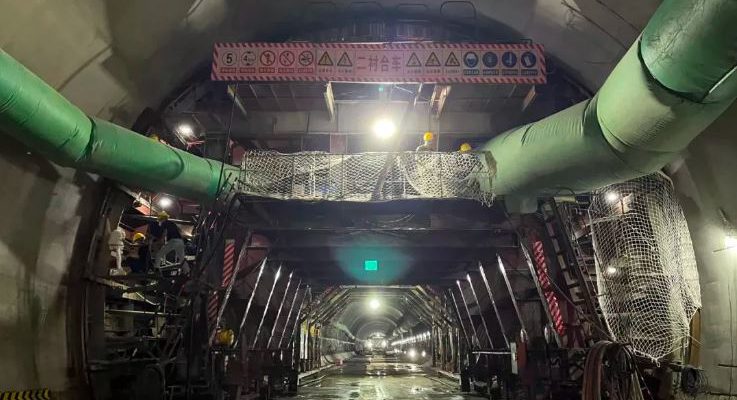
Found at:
(325, 60)
(452, 60)
(345, 61)
(432, 61)
(414, 61)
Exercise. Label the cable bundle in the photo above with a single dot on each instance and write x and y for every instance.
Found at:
(611, 370)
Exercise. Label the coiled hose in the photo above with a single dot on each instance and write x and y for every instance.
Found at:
(610, 368)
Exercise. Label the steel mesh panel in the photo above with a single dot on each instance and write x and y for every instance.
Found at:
(646, 270)
(368, 176)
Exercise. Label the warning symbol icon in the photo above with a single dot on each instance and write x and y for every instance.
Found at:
(432, 61)
(414, 61)
(325, 60)
(345, 61)
(452, 61)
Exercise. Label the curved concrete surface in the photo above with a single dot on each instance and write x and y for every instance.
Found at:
(46, 215)
(112, 58)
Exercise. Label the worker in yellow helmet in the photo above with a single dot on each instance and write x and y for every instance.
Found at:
(168, 232)
(139, 254)
(465, 148)
(427, 139)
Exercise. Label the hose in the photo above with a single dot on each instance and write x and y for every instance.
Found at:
(610, 368)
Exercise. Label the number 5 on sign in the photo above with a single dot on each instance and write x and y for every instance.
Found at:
(229, 58)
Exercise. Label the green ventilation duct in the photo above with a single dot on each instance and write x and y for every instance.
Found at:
(37, 115)
(669, 87)
(673, 82)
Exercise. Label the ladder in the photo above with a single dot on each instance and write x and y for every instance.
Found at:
(575, 257)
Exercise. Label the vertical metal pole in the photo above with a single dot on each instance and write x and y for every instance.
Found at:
(278, 313)
(289, 315)
(266, 308)
(250, 301)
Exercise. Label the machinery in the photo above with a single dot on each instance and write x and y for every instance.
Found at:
(581, 280)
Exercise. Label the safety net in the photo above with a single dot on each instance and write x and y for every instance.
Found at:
(647, 280)
(365, 177)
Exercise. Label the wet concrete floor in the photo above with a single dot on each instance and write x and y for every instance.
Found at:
(378, 379)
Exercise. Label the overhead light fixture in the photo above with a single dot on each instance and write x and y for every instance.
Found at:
(165, 202)
(730, 240)
(384, 128)
(423, 354)
(374, 304)
(611, 197)
(412, 353)
(185, 129)
(384, 343)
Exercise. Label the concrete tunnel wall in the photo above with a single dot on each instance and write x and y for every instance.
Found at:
(705, 181)
(46, 216)
(111, 60)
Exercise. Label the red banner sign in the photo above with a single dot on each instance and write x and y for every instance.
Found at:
(380, 62)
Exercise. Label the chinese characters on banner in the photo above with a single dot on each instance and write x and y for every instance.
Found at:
(382, 62)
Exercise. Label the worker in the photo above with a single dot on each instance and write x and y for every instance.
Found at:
(173, 241)
(465, 148)
(427, 145)
(139, 254)
(116, 244)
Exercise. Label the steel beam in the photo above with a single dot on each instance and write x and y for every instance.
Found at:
(460, 319)
(512, 299)
(266, 307)
(489, 312)
(250, 302)
(279, 313)
(481, 312)
(297, 319)
(293, 314)
(465, 315)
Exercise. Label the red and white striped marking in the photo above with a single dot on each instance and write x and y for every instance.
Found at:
(213, 304)
(551, 299)
(379, 62)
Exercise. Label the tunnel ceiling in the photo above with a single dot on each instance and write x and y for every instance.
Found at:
(114, 58)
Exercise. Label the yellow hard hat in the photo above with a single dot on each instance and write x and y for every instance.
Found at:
(154, 136)
(225, 337)
(465, 147)
(138, 236)
(427, 136)
(162, 215)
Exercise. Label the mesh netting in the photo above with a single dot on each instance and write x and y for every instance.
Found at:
(646, 271)
(368, 176)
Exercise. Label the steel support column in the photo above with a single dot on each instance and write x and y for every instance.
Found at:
(266, 307)
(281, 323)
(250, 302)
(279, 311)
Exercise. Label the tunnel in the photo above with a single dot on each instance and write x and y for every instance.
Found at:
(354, 200)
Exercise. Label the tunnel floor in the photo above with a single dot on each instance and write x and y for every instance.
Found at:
(377, 378)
